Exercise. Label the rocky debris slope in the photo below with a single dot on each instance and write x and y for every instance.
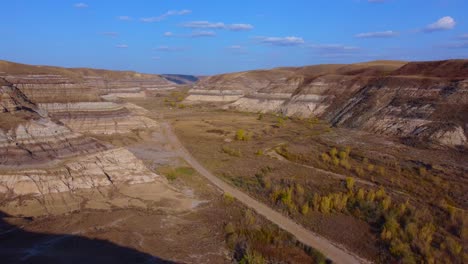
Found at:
(420, 100)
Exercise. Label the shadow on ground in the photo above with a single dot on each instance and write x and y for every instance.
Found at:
(20, 246)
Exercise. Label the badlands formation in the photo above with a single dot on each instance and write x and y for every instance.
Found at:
(48, 117)
(97, 148)
(417, 100)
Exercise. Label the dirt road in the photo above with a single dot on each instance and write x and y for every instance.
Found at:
(333, 251)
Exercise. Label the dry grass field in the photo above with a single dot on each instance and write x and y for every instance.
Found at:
(383, 199)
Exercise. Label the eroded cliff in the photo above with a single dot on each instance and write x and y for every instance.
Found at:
(420, 100)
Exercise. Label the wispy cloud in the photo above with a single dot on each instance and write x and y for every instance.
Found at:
(80, 5)
(202, 33)
(124, 18)
(217, 25)
(333, 48)
(155, 58)
(194, 34)
(204, 24)
(378, 34)
(376, 1)
(239, 27)
(110, 34)
(281, 41)
(464, 36)
(237, 49)
(169, 49)
(165, 15)
(121, 46)
(444, 23)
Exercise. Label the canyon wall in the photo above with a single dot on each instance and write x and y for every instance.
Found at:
(47, 115)
(418, 100)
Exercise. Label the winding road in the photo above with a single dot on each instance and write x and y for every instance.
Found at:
(333, 251)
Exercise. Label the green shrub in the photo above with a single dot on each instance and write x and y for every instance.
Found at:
(252, 257)
(232, 152)
(360, 195)
(370, 197)
(325, 157)
(381, 171)
(280, 122)
(316, 201)
(335, 161)
(345, 164)
(171, 176)
(350, 183)
(453, 246)
(359, 171)
(228, 198)
(325, 204)
(259, 152)
(229, 228)
(343, 155)
(333, 152)
(401, 250)
(386, 202)
(305, 209)
(242, 135)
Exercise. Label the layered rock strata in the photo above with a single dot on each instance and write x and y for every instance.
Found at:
(115, 166)
(427, 100)
(99, 117)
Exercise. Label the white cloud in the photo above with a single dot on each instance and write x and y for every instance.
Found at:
(239, 27)
(217, 25)
(124, 18)
(80, 5)
(334, 48)
(169, 49)
(194, 34)
(445, 23)
(110, 34)
(282, 41)
(378, 34)
(165, 15)
(201, 34)
(204, 24)
(122, 46)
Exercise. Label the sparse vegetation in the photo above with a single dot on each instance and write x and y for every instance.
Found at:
(231, 152)
(242, 135)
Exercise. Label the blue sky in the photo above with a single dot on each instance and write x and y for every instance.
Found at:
(209, 37)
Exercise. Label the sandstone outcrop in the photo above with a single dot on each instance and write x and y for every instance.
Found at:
(99, 117)
(115, 166)
(44, 112)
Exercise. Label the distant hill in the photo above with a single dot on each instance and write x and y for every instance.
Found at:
(72, 73)
(180, 78)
